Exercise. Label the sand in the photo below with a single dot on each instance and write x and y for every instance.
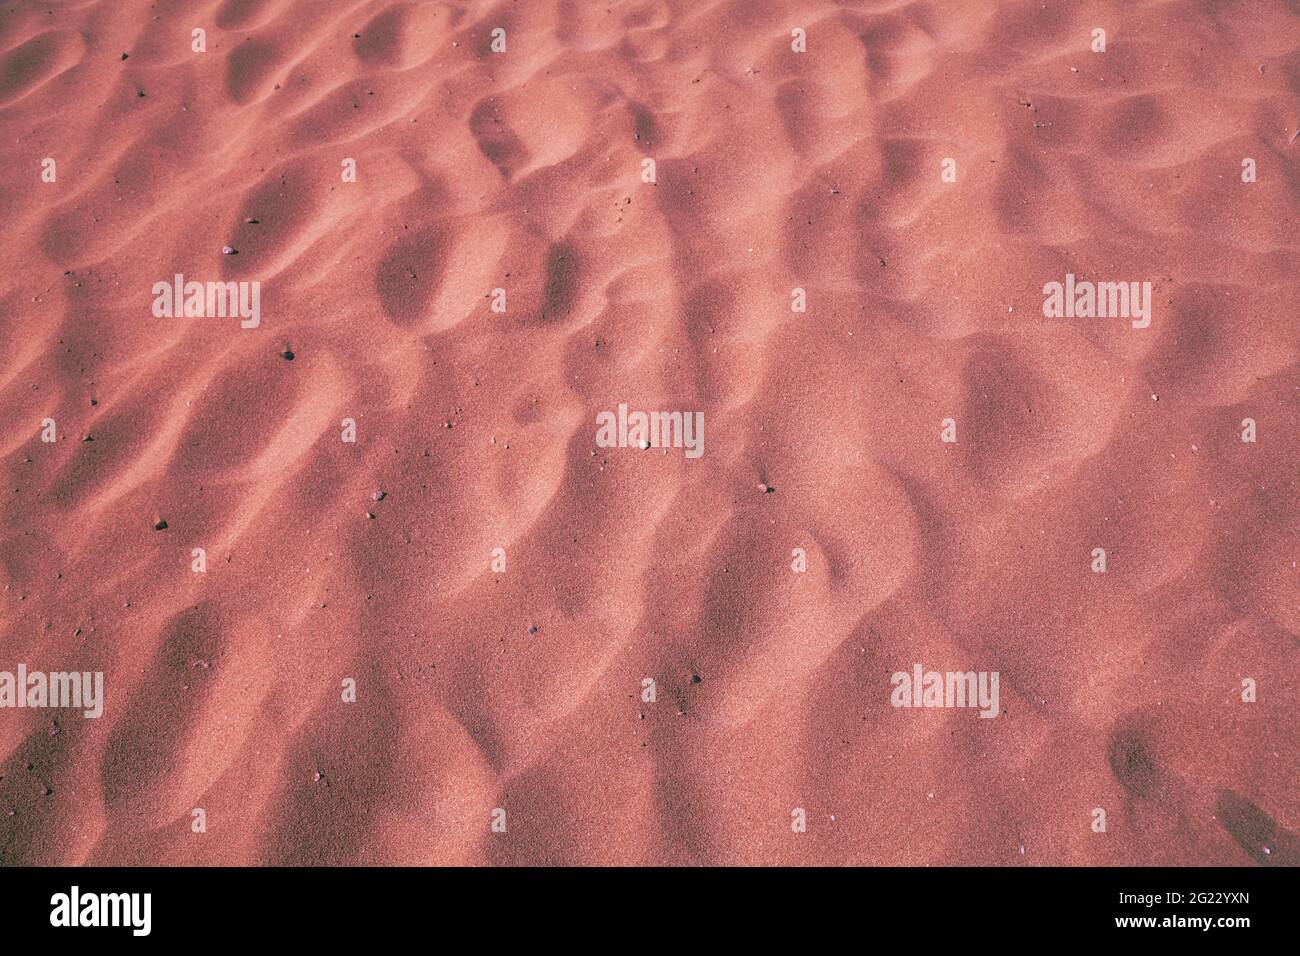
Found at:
(432, 644)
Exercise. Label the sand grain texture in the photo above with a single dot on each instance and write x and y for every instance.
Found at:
(775, 170)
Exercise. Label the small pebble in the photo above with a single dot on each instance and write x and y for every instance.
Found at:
(229, 251)
(160, 524)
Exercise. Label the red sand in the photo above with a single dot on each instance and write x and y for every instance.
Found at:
(776, 170)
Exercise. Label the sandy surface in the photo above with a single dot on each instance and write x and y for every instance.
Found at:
(521, 689)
